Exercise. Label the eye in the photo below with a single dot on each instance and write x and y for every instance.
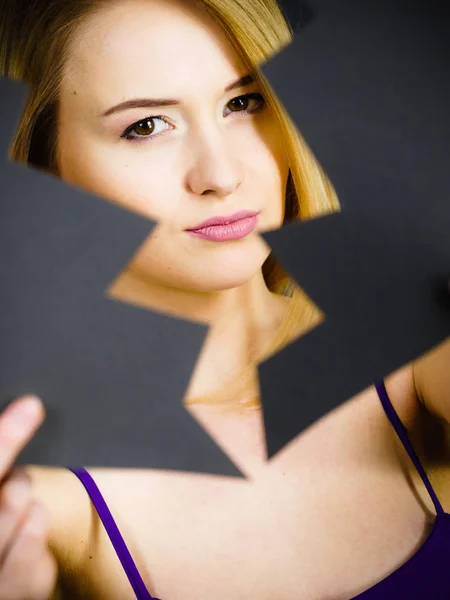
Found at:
(144, 129)
(241, 103)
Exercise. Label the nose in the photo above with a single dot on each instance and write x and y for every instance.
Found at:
(216, 170)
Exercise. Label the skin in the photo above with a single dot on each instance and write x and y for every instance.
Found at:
(340, 507)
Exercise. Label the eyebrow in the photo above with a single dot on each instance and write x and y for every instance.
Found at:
(154, 102)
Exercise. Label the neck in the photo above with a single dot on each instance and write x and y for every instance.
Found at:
(241, 322)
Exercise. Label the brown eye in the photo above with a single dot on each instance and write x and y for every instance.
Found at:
(145, 127)
(244, 104)
(240, 103)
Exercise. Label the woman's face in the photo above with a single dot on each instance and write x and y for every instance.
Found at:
(148, 119)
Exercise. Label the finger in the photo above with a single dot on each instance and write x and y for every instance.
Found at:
(27, 556)
(15, 496)
(18, 423)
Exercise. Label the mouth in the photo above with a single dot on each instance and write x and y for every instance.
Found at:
(224, 229)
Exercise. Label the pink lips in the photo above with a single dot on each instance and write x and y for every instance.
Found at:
(224, 229)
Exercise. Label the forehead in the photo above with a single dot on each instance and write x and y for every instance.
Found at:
(150, 47)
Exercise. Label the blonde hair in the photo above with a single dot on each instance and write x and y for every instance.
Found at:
(34, 39)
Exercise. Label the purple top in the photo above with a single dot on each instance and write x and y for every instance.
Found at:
(424, 576)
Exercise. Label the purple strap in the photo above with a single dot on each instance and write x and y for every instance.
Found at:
(114, 534)
(403, 435)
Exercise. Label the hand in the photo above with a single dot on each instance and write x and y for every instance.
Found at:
(27, 568)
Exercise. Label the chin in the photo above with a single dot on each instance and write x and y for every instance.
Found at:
(223, 267)
(229, 271)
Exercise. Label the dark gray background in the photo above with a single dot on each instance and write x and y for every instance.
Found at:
(370, 92)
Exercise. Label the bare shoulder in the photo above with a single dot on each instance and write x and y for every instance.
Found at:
(423, 383)
(432, 380)
(71, 521)
(402, 393)
(89, 568)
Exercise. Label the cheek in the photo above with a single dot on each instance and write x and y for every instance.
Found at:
(273, 171)
(269, 154)
(131, 179)
(281, 170)
(279, 159)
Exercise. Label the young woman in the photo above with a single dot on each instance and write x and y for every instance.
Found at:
(159, 105)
